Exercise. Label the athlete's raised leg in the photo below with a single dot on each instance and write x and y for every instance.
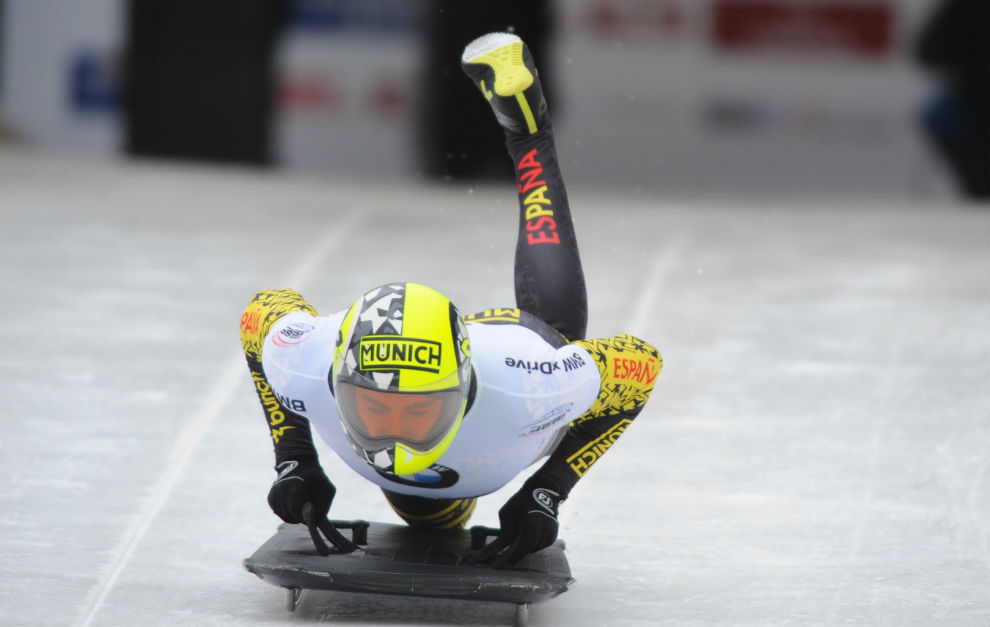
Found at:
(549, 281)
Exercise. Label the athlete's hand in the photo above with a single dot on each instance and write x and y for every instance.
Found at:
(528, 523)
(298, 483)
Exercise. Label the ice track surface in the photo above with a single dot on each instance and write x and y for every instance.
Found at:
(816, 451)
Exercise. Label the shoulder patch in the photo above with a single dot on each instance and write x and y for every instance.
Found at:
(629, 368)
(263, 311)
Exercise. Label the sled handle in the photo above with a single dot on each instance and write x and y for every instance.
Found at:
(342, 544)
(480, 535)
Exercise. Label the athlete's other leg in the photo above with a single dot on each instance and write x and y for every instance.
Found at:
(549, 281)
(419, 511)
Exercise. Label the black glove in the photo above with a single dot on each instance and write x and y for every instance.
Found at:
(529, 523)
(298, 483)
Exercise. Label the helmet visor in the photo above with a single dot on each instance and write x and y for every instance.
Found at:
(376, 419)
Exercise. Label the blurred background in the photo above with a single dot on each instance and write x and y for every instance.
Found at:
(719, 97)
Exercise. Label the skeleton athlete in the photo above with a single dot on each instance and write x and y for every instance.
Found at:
(439, 408)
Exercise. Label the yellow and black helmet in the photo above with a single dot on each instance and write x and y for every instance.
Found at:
(401, 375)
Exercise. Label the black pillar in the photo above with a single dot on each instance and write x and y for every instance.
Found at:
(200, 78)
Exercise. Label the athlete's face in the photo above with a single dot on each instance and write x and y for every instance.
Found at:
(406, 417)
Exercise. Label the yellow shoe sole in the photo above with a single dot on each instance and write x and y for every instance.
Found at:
(511, 74)
(503, 53)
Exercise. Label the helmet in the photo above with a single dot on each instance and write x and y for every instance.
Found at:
(401, 374)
